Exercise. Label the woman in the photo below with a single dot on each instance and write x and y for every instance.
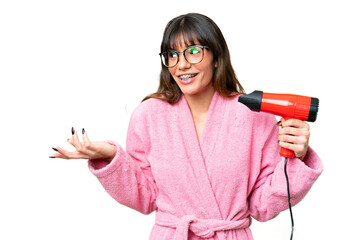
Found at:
(203, 161)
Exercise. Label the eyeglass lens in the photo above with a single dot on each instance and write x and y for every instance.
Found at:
(193, 54)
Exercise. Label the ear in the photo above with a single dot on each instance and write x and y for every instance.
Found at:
(215, 65)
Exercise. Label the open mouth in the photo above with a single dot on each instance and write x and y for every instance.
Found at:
(187, 77)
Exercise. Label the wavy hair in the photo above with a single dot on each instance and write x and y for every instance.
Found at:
(195, 26)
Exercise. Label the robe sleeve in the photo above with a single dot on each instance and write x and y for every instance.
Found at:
(128, 177)
(269, 195)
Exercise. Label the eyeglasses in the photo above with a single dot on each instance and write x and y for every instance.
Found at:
(192, 54)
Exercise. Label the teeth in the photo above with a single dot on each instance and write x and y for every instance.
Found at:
(187, 76)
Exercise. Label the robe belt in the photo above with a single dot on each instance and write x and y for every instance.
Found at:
(204, 228)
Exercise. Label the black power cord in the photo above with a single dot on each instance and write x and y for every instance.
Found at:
(288, 190)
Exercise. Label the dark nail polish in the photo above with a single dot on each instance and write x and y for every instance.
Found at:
(278, 122)
(83, 131)
(51, 157)
(72, 130)
(55, 149)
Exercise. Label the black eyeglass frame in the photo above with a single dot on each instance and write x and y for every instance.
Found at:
(183, 52)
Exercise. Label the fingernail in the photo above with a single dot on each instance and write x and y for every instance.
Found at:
(278, 122)
(55, 149)
(83, 131)
(51, 157)
(72, 130)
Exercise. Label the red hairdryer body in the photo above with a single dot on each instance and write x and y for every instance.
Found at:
(289, 106)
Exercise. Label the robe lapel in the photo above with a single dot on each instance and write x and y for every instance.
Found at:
(197, 152)
(212, 126)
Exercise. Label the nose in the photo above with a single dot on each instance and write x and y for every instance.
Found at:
(183, 64)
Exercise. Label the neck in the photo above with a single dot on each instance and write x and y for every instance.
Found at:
(199, 104)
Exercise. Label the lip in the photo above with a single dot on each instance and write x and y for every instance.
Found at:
(188, 81)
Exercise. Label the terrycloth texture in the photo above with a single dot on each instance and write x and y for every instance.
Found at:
(204, 228)
(212, 187)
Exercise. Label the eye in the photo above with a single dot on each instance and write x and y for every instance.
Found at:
(172, 54)
(194, 50)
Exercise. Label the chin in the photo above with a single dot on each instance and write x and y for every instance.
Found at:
(187, 91)
(193, 93)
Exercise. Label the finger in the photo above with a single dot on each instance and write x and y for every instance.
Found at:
(62, 153)
(295, 123)
(293, 139)
(297, 148)
(290, 146)
(71, 141)
(75, 139)
(80, 150)
(291, 131)
(86, 140)
(297, 132)
(87, 145)
(286, 145)
(279, 123)
(83, 149)
(57, 154)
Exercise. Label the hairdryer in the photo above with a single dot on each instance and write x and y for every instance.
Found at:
(289, 106)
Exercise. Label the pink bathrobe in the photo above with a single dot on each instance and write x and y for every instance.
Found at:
(209, 189)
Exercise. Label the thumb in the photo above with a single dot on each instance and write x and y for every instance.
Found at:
(280, 122)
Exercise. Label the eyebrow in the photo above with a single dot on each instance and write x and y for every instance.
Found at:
(187, 46)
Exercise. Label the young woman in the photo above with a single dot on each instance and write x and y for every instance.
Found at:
(204, 162)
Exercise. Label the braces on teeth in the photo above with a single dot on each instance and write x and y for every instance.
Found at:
(187, 76)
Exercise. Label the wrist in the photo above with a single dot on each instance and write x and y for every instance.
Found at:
(302, 158)
(112, 153)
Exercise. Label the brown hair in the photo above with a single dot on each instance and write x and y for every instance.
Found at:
(207, 33)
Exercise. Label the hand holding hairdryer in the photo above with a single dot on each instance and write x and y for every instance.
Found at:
(289, 106)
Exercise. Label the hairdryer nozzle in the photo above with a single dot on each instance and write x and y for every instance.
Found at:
(314, 108)
(252, 100)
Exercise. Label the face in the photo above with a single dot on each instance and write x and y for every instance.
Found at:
(201, 74)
